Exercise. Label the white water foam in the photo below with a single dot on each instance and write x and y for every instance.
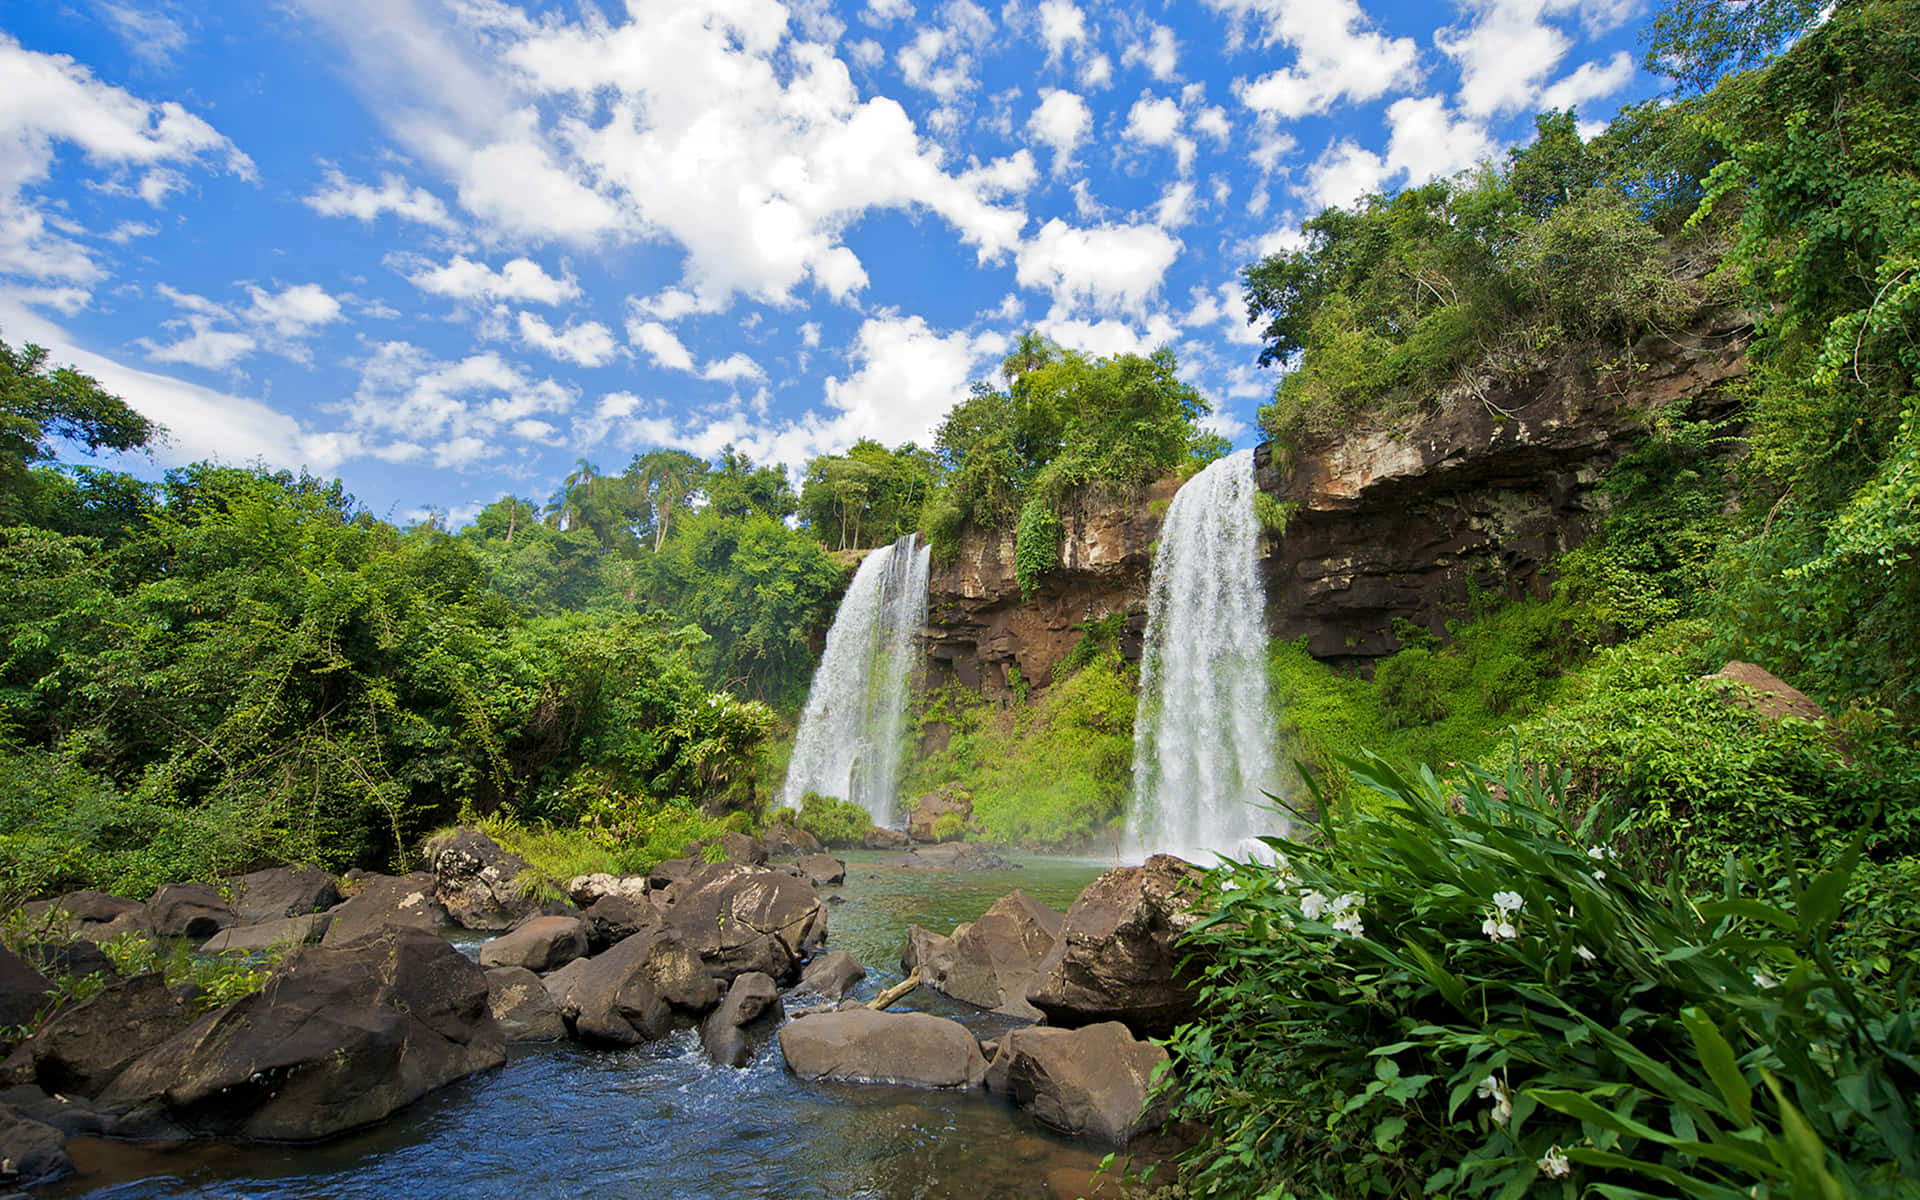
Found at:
(1203, 738)
(851, 733)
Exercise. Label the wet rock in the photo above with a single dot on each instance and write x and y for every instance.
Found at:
(723, 1034)
(31, 1152)
(193, 910)
(613, 919)
(885, 839)
(949, 799)
(830, 975)
(989, 962)
(588, 890)
(783, 837)
(743, 918)
(287, 930)
(542, 944)
(956, 856)
(340, 1036)
(281, 892)
(1092, 1081)
(23, 990)
(520, 1003)
(639, 991)
(822, 870)
(72, 1116)
(477, 882)
(859, 1045)
(1116, 959)
(380, 901)
(85, 1045)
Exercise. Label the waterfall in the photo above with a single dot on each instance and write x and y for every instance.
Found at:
(1203, 737)
(851, 732)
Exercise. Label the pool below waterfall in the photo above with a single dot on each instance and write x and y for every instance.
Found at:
(660, 1120)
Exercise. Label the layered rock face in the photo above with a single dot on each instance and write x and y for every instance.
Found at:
(979, 626)
(1475, 495)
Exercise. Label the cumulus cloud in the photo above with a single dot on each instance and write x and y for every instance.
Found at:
(215, 336)
(661, 345)
(588, 343)
(1507, 50)
(1060, 121)
(939, 58)
(520, 280)
(461, 412)
(1427, 141)
(153, 36)
(1338, 55)
(1158, 52)
(1156, 121)
(1062, 26)
(343, 197)
(1112, 268)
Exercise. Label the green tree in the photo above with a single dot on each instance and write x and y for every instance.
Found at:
(42, 405)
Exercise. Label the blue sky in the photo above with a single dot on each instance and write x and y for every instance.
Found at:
(444, 248)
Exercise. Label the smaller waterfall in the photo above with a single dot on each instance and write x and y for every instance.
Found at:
(1202, 742)
(850, 735)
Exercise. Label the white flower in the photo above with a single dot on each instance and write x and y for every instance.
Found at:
(1490, 1089)
(1349, 924)
(1345, 901)
(1599, 876)
(1556, 1165)
(1597, 853)
(1507, 902)
(1763, 980)
(1584, 954)
(1499, 928)
(1312, 905)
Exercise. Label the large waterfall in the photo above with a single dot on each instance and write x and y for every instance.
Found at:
(851, 732)
(1203, 738)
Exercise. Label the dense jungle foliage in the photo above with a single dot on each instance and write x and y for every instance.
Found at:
(1666, 947)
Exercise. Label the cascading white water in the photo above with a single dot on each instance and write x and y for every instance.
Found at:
(1202, 742)
(851, 732)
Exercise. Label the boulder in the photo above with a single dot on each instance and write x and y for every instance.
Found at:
(522, 1006)
(23, 990)
(743, 848)
(667, 872)
(1760, 690)
(741, 918)
(1092, 1081)
(559, 985)
(588, 890)
(542, 944)
(885, 839)
(723, 1034)
(822, 870)
(310, 927)
(78, 959)
(783, 837)
(193, 910)
(281, 892)
(830, 975)
(73, 1116)
(31, 1151)
(82, 1048)
(612, 919)
(639, 991)
(928, 952)
(1116, 959)
(381, 901)
(858, 1045)
(86, 907)
(949, 799)
(477, 882)
(955, 856)
(991, 960)
(340, 1036)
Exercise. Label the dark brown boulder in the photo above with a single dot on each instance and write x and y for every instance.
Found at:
(723, 1034)
(340, 1036)
(991, 960)
(294, 931)
(76, 959)
(522, 1006)
(668, 872)
(542, 944)
(783, 837)
(193, 910)
(613, 918)
(1092, 1081)
(879, 838)
(31, 1152)
(82, 1048)
(281, 892)
(742, 919)
(23, 990)
(382, 901)
(1116, 959)
(86, 907)
(822, 870)
(858, 1045)
(639, 991)
(949, 799)
(480, 885)
(830, 975)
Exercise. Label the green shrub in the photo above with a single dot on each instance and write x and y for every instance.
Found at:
(834, 821)
(1459, 991)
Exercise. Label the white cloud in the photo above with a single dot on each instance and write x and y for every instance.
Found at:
(294, 311)
(343, 197)
(939, 59)
(50, 100)
(1096, 71)
(588, 343)
(886, 12)
(1062, 25)
(461, 409)
(218, 335)
(660, 344)
(152, 36)
(1109, 336)
(521, 279)
(1344, 172)
(1175, 206)
(1224, 306)
(1590, 81)
(1060, 122)
(1427, 142)
(204, 346)
(1338, 55)
(810, 334)
(1159, 53)
(1508, 49)
(1212, 121)
(1110, 267)
(907, 376)
(1156, 121)
(732, 369)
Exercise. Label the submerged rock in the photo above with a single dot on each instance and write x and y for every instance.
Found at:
(859, 1045)
(956, 856)
(1116, 959)
(723, 1034)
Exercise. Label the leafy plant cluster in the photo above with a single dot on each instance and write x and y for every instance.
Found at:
(837, 822)
(1458, 990)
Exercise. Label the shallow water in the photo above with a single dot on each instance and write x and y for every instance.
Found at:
(660, 1120)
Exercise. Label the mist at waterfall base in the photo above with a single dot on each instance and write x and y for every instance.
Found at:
(851, 733)
(1203, 738)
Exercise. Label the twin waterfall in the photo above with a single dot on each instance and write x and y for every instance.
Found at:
(851, 732)
(1202, 742)
(1203, 732)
